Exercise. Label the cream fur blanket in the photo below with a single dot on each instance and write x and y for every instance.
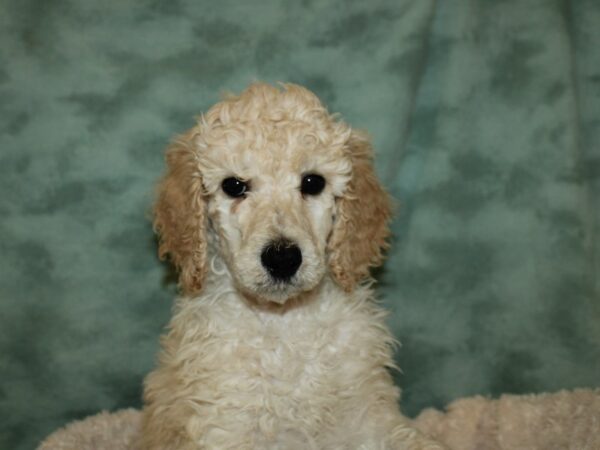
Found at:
(564, 420)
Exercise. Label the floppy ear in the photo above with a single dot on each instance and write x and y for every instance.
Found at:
(180, 216)
(361, 226)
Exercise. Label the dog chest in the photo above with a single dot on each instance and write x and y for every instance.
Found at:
(274, 373)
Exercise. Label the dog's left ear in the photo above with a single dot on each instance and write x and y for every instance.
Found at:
(361, 226)
(180, 215)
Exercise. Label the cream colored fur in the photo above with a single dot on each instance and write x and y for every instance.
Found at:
(235, 376)
(560, 421)
(252, 364)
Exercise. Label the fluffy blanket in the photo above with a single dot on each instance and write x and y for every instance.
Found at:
(564, 420)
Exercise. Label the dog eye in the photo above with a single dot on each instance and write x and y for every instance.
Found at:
(312, 184)
(234, 187)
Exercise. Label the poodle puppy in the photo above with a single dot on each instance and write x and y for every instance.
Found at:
(272, 214)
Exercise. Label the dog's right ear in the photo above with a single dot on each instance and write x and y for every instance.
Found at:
(180, 214)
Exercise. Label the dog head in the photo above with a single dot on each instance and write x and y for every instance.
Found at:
(286, 191)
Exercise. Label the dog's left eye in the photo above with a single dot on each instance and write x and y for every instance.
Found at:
(312, 184)
(234, 187)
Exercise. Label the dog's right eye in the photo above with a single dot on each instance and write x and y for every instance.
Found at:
(234, 187)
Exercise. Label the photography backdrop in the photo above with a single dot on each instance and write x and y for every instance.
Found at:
(486, 120)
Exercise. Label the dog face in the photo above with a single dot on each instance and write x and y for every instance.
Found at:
(287, 192)
(271, 190)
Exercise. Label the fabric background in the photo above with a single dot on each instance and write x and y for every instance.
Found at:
(485, 116)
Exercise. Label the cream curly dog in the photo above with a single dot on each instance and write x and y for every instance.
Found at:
(272, 213)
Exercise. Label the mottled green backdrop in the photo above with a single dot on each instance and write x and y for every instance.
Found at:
(486, 119)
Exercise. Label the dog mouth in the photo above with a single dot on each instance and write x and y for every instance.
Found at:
(279, 293)
(278, 290)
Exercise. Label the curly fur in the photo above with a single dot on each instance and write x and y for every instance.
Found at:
(252, 364)
(558, 421)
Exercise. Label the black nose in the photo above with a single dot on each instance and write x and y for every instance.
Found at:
(281, 259)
